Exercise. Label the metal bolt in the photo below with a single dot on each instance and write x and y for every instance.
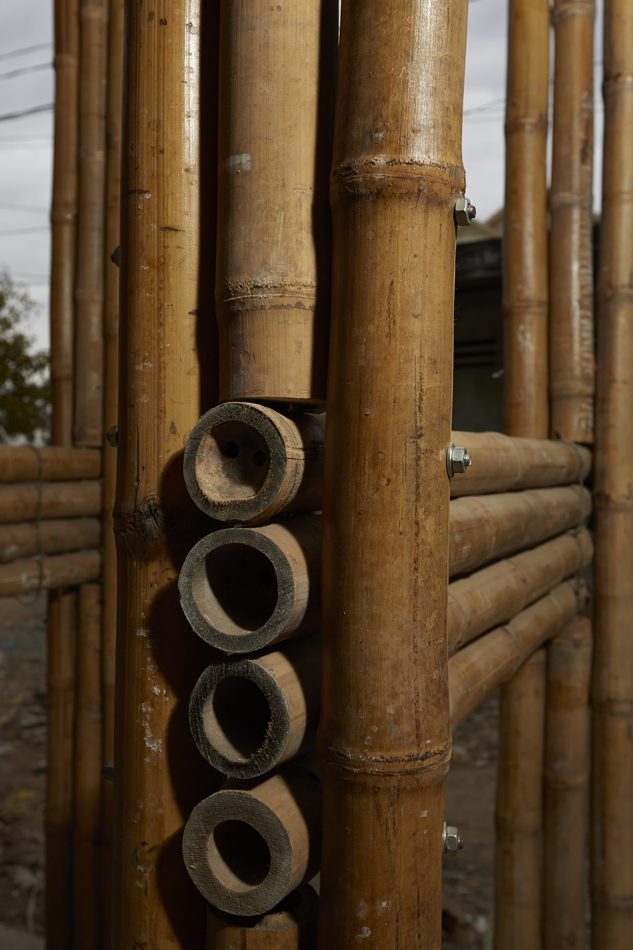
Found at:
(465, 212)
(108, 772)
(115, 257)
(457, 459)
(451, 839)
(112, 436)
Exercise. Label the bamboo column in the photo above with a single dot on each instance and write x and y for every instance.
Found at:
(612, 864)
(384, 734)
(156, 763)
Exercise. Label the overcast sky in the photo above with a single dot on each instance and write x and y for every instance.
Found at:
(26, 143)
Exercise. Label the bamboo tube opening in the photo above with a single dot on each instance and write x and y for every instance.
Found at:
(236, 716)
(239, 855)
(236, 588)
(233, 462)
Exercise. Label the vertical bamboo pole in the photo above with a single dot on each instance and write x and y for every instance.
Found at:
(566, 804)
(384, 734)
(572, 367)
(519, 813)
(519, 792)
(155, 904)
(88, 377)
(612, 865)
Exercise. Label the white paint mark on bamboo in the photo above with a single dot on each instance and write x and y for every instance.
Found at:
(238, 163)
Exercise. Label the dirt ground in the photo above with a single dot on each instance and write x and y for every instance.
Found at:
(470, 802)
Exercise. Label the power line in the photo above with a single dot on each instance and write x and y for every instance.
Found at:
(36, 67)
(10, 207)
(25, 49)
(48, 107)
(23, 231)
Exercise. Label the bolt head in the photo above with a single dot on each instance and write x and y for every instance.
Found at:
(457, 459)
(465, 212)
(452, 840)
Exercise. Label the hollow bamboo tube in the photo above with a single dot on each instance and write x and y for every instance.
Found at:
(64, 218)
(572, 365)
(27, 463)
(525, 290)
(273, 220)
(612, 690)
(88, 370)
(519, 810)
(245, 462)
(154, 902)
(49, 573)
(246, 850)
(566, 787)
(248, 716)
(385, 737)
(28, 501)
(61, 673)
(87, 773)
(279, 566)
(291, 926)
(48, 537)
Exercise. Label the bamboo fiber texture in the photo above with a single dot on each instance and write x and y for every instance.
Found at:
(32, 501)
(397, 172)
(291, 926)
(155, 905)
(566, 787)
(273, 220)
(28, 463)
(612, 864)
(525, 290)
(49, 572)
(572, 363)
(48, 537)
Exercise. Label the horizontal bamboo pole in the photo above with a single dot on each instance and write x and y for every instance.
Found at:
(49, 573)
(278, 565)
(291, 926)
(246, 850)
(52, 463)
(48, 537)
(566, 780)
(30, 501)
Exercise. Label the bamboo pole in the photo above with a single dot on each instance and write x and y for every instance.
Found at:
(48, 537)
(291, 926)
(247, 849)
(62, 620)
(273, 220)
(157, 782)
(88, 371)
(566, 802)
(572, 368)
(87, 778)
(397, 173)
(32, 501)
(612, 690)
(277, 564)
(49, 573)
(28, 463)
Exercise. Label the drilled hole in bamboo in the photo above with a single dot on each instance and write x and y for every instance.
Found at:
(236, 717)
(238, 855)
(232, 462)
(235, 588)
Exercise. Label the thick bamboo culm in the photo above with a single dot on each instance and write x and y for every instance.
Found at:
(247, 463)
(397, 173)
(28, 463)
(87, 779)
(572, 364)
(49, 572)
(291, 926)
(273, 218)
(64, 219)
(612, 690)
(525, 281)
(32, 501)
(88, 372)
(48, 537)
(566, 787)
(154, 902)
(278, 564)
(247, 849)
(61, 675)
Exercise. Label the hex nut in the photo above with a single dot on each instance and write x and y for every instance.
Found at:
(457, 459)
(452, 840)
(465, 212)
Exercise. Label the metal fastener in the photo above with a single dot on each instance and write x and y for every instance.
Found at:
(108, 771)
(457, 459)
(451, 839)
(112, 436)
(465, 212)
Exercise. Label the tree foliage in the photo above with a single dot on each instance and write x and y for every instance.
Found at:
(24, 387)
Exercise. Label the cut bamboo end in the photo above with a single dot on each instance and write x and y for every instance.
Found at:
(49, 573)
(29, 501)
(48, 537)
(242, 589)
(248, 716)
(21, 463)
(245, 462)
(291, 926)
(247, 850)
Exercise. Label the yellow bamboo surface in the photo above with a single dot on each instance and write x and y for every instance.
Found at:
(48, 537)
(28, 463)
(49, 572)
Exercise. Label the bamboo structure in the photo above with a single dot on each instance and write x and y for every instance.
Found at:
(279, 566)
(246, 850)
(154, 903)
(273, 221)
(612, 690)
(291, 926)
(49, 573)
(572, 367)
(28, 463)
(566, 787)
(32, 501)
(48, 537)
(397, 174)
